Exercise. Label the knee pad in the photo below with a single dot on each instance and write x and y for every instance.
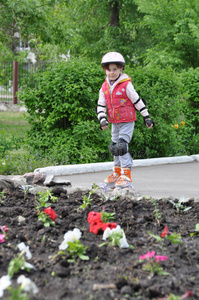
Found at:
(122, 147)
(113, 149)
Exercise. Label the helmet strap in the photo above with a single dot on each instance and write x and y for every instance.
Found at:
(113, 81)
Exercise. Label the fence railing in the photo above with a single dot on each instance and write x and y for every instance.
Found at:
(14, 76)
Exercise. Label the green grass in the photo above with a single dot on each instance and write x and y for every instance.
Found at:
(13, 122)
(17, 157)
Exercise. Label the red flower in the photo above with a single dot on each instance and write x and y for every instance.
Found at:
(110, 225)
(165, 232)
(95, 227)
(94, 217)
(52, 214)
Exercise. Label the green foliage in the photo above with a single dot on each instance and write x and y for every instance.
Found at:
(196, 230)
(86, 201)
(97, 27)
(64, 128)
(174, 27)
(76, 248)
(107, 217)
(16, 264)
(154, 267)
(157, 237)
(161, 88)
(25, 189)
(62, 113)
(41, 203)
(179, 206)
(2, 197)
(190, 80)
(115, 238)
(33, 19)
(8, 142)
(66, 94)
(175, 238)
(23, 161)
(64, 124)
(44, 197)
(17, 294)
(156, 212)
(44, 218)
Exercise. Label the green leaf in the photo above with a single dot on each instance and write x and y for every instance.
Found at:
(164, 273)
(187, 208)
(83, 257)
(131, 247)
(103, 244)
(192, 234)
(197, 227)
(157, 237)
(71, 260)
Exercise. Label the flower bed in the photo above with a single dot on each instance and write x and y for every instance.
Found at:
(156, 255)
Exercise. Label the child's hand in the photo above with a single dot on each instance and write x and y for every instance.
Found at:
(104, 125)
(149, 123)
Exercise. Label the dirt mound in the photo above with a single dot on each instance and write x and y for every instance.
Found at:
(111, 272)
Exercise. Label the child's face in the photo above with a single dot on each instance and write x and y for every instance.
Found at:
(113, 72)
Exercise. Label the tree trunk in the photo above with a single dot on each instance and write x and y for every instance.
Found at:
(114, 13)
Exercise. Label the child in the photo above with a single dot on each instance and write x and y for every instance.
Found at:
(119, 96)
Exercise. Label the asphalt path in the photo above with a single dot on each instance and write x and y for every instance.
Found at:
(175, 180)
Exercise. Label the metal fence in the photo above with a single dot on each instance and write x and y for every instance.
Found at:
(14, 76)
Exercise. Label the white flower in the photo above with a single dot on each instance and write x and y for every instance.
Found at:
(27, 266)
(22, 247)
(5, 282)
(70, 236)
(27, 284)
(108, 232)
(123, 242)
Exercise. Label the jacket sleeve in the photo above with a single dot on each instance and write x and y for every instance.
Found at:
(101, 107)
(139, 104)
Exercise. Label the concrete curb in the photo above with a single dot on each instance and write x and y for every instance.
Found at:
(106, 166)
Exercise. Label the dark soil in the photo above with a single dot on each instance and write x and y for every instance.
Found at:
(111, 272)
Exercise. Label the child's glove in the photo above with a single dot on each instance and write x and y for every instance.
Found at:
(103, 123)
(148, 122)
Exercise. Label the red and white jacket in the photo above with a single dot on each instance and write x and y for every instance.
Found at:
(120, 99)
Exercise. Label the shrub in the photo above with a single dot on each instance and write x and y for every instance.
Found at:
(62, 113)
(162, 91)
(9, 142)
(190, 80)
(64, 124)
(21, 161)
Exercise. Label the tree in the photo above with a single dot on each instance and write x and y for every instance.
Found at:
(30, 20)
(99, 26)
(175, 31)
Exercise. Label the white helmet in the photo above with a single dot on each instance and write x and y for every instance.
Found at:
(114, 58)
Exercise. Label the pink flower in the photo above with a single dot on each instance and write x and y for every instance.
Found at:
(159, 258)
(4, 228)
(186, 295)
(2, 236)
(147, 255)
